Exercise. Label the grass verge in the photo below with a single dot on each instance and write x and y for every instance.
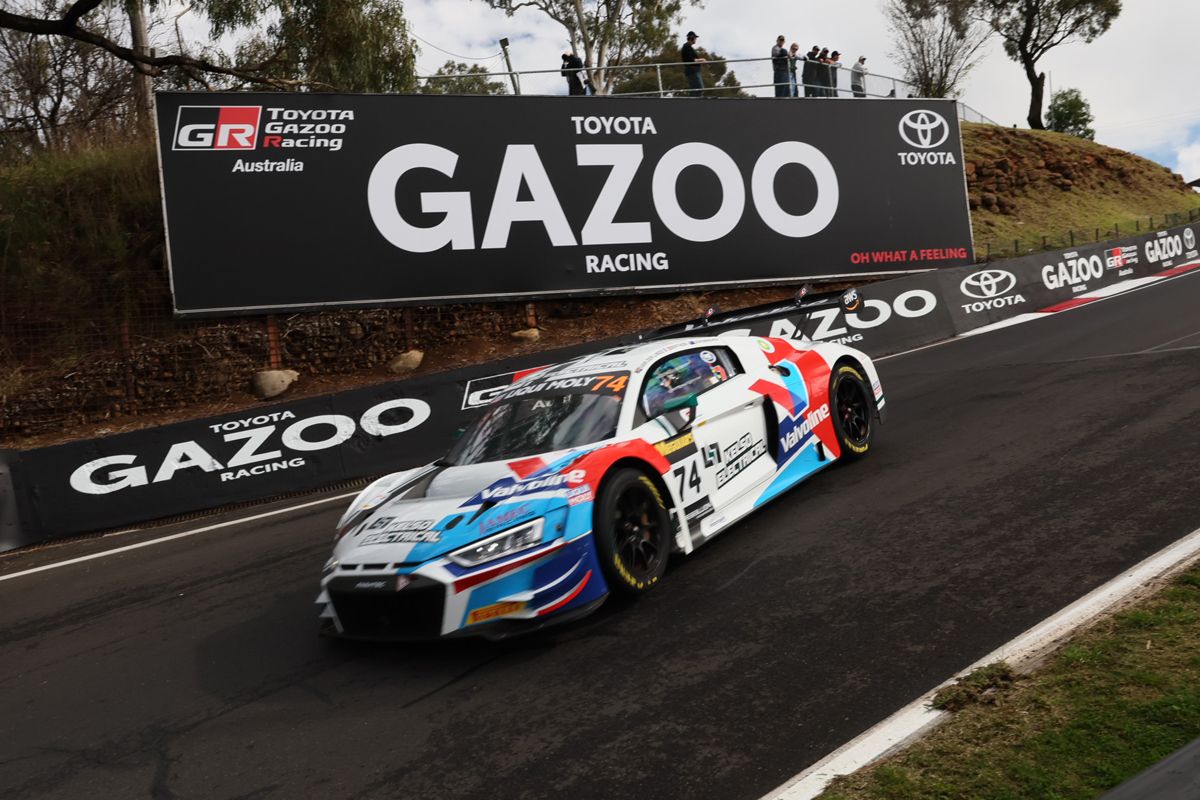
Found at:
(1121, 696)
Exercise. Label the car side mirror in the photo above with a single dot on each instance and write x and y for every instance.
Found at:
(851, 300)
(677, 416)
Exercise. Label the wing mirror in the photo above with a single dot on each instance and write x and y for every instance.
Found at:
(678, 415)
(851, 300)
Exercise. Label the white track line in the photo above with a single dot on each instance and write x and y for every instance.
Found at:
(917, 717)
(173, 536)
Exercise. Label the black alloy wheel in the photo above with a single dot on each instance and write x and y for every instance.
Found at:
(852, 410)
(632, 532)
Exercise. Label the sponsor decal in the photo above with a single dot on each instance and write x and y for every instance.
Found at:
(580, 494)
(1118, 257)
(389, 536)
(627, 262)
(612, 383)
(826, 324)
(371, 585)
(493, 611)
(511, 488)
(799, 434)
(524, 193)
(1073, 271)
(924, 130)
(712, 455)
(738, 456)
(989, 289)
(253, 446)
(908, 256)
(505, 517)
(1167, 247)
(638, 126)
(216, 128)
(208, 128)
(1189, 239)
(482, 391)
(678, 448)
(708, 356)
(698, 510)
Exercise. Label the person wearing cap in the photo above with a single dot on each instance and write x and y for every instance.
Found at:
(779, 67)
(858, 77)
(571, 66)
(691, 65)
(835, 64)
(823, 73)
(808, 75)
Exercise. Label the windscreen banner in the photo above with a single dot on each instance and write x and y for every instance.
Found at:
(302, 200)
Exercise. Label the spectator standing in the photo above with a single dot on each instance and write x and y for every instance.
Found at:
(858, 77)
(823, 73)
(835, 64)
(808, 75)
(571, 67)
(691, 65)
(779, 67)
(793, 57)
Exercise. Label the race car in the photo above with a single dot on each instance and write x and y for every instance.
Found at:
(581, 479)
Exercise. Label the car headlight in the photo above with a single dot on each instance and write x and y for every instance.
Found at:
(513, 540)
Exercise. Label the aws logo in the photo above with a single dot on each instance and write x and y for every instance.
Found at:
(216, 128)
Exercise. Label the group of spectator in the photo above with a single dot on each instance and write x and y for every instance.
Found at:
(818, 75)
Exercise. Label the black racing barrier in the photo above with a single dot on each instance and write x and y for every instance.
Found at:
(353, 204)
(305, 444)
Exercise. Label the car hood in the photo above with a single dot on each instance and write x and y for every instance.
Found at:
(428, 512)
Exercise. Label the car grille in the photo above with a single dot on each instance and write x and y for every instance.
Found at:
(413, 612)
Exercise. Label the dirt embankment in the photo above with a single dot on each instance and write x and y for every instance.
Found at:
(1024, 185)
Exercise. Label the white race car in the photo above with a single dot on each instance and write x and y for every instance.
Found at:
(582, 478)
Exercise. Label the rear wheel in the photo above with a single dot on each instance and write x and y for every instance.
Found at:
(852, 411)
(632, 532)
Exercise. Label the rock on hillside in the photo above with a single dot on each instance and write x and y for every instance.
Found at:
(1025, 184)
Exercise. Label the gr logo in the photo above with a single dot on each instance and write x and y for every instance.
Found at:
(216, 128)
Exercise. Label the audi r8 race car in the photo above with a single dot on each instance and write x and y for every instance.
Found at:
(581, 479)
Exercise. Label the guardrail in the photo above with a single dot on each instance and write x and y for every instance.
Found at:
(835, 81)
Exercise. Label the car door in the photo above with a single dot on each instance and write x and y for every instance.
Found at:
(706, 389)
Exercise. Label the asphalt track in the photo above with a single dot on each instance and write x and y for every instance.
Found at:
(1018, 470)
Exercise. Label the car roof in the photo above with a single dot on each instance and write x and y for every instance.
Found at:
(634, 358)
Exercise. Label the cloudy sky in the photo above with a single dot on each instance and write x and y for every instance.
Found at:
(1138, 77)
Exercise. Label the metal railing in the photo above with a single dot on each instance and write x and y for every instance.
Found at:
(993, 249)
(832, 81)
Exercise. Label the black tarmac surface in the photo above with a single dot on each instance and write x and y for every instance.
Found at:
(1018, 470)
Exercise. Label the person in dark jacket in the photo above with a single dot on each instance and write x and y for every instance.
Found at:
(823, 73)
(571, 67)
(691, 65)
(779, 68)
(808, 74)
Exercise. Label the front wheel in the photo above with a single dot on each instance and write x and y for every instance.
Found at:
(632, 532)
(852, 411)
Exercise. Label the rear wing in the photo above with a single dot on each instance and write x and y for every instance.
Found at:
(804, 303)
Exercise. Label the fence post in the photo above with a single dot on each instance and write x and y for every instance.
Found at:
(1097, 234)
(1151, 222)
(127, 362)
(1016, 247)
(1137, 225)
(1043, 241)
(1072, 237)
(531, 320)
(989, 252)
(274, 352)
(658, 70)
(1117, 228)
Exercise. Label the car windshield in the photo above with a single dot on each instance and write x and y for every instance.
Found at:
(542, 415)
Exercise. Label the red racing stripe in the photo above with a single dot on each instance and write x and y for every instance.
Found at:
(571, 596)
(1074, 302)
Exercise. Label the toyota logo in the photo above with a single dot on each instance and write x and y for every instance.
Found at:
(924, 129)
(988, 283)
(1189, 238)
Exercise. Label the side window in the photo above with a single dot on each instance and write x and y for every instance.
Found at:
(673, 383)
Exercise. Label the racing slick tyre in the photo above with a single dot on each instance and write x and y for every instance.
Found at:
(852, 411)
(632, 532)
